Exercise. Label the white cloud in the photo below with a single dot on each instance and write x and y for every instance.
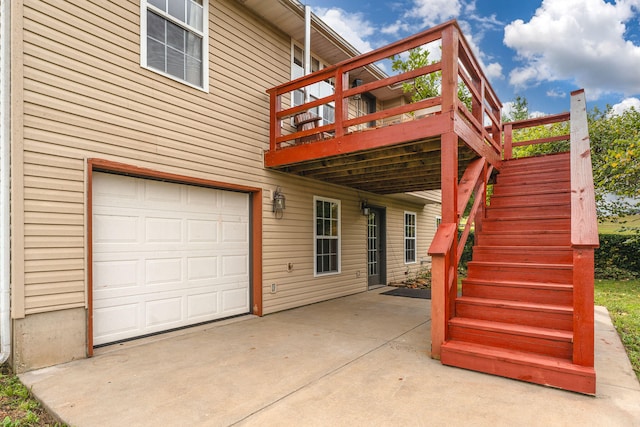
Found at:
(395, 28)
(553, 93)
(433, 12)
(494, 71)
(624, 105)
(353, 27)
(579, 40)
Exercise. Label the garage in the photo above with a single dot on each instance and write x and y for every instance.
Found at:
(165, 255)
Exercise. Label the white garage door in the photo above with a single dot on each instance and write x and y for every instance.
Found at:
(166, 255)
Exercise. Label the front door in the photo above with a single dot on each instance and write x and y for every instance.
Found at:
(376, 259)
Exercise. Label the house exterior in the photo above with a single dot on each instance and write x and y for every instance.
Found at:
(135, 197)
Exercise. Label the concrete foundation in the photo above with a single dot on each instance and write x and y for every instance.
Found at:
(47, 339)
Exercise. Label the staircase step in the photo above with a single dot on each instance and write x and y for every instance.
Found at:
(535, 188)
(538, 293)
(553, 316)
(526, 199)
(528, 224)
(538, 369)
(532, 181)
(538, 160)
(537, 211)
(524, 254)
(530, 339)
(524, 238)
(521, 272)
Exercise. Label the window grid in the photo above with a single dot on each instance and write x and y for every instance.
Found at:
(409, 237)
(173, 39)
(327, 236)
(372, 247)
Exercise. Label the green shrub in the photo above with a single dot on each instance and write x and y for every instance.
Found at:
(617, 258)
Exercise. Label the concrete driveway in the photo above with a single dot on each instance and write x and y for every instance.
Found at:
(360, 360)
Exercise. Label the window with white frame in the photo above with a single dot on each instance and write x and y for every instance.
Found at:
(327, 235)
(316, 91)
(409, 237)
(438, 222)
(173, 38)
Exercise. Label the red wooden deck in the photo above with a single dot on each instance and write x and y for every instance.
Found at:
(526, 309)
(401, 152)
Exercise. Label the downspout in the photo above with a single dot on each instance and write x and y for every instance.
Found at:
(5, 176)
(307, 48)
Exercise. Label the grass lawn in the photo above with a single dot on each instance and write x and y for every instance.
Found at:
(17, 407)
(610, 227)
(622, 299)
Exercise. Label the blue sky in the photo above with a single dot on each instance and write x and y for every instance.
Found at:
(539, 49)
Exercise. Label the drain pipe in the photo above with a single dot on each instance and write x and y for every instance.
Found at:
(307, 48)
(5, 176)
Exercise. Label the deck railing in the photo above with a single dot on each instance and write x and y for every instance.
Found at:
(457, 66)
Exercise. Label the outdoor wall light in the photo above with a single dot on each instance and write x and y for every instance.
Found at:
(365, 209)
(356, 83)
(278, 202)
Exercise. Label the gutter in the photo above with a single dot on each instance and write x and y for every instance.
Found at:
(5, 176)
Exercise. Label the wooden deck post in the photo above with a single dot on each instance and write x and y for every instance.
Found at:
(584, 232)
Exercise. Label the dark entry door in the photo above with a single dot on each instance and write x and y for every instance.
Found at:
(376, 259)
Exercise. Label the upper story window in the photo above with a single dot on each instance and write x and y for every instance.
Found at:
(318, 90)
(173, 37)
(327, 235)
(409, 237)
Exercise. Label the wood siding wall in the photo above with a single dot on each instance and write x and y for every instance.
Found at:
(86, 96)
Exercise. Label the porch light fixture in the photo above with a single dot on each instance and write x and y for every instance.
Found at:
(356, 83)
(278, 202)
(365, 208)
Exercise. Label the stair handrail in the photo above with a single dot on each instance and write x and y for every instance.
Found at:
(584, 232)
(447, 247)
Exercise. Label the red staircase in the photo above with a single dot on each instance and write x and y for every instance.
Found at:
(515, 317)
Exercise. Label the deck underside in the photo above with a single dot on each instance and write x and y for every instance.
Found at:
(405, 167)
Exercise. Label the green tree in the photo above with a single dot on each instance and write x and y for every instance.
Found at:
(428, 85)
(615, 145)
(615, 154)
(519, 110)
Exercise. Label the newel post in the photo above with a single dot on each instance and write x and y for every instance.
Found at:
(441, 249)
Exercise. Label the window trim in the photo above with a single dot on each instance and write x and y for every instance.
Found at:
(315, 237)
(144, 6)
(414, 238)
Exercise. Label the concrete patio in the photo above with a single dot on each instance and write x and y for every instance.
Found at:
(357, 360)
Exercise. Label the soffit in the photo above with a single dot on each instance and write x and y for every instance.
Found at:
(288, 17)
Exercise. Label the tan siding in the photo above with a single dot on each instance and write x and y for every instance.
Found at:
(86, 96)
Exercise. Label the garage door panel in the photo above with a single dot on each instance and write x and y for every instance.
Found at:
(236, 201)
(158, 193)
(163, 230)
(166, 255)
(113, 322)
(162, 271)
(199, 306)
(118, 229)
(234, 300)
(235, 265)
(201, 231)
(115, 274)
(202, 268)
(166, 312)
(200, 199)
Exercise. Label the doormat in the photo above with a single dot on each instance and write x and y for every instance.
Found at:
(409, 292)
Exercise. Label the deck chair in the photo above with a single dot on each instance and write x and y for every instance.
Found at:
(306, 121)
